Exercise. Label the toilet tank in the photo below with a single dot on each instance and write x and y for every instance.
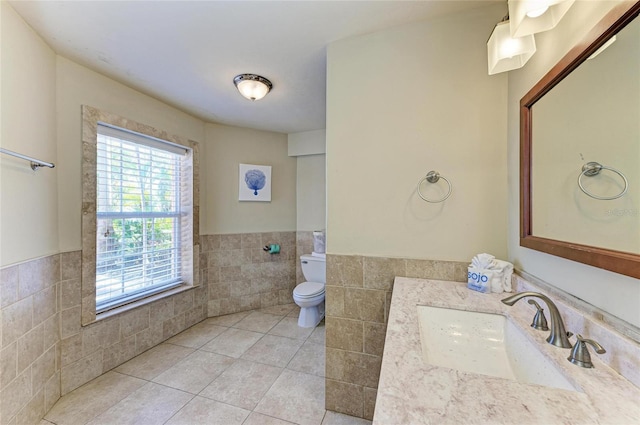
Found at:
(314, 268)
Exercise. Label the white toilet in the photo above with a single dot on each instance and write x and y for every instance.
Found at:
(309, 295)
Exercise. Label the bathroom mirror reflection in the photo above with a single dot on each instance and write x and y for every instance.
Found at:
(591, 115)
(587, 108)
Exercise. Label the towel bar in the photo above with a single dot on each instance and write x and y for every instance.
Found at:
(35, 163)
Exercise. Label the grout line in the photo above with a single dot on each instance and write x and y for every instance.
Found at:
(200, 346)
(323, 416)
(269, 416)
(180, 409)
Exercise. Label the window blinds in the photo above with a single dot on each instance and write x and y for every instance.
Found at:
(139, 193)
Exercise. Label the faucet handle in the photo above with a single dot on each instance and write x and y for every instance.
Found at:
(539, 320)
(580, 353)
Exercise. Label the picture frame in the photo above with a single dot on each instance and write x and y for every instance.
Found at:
(254, 183)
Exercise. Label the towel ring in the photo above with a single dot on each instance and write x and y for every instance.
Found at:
(593, 168)
(433, 177)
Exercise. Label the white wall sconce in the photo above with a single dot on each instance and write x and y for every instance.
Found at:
(505, 52)
(252, 86)
(532, 16)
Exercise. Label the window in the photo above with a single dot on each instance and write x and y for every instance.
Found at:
(140, 198)
(142, 202)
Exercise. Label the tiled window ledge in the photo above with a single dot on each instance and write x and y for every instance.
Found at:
(142, 302)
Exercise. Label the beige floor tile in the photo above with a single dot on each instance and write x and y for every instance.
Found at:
(197, 335)
(295, 312)
(193, 373)
(296, 397)
(233, 342)
(289, 327)
(93, 398)
(44, 422)
(228, 319)
(258, 322)
(318, 334)
(256, 418)
(255, 381)
(152, 404)
(279, 310)
(153, 362)
(309, 359)
(204, 411)
(273, 350)
(333, 418)
(243, 384)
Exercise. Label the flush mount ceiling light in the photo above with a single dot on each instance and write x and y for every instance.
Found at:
(251, 86)
(532, 16)
(505, 52)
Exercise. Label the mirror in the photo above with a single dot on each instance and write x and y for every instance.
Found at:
(587, 109)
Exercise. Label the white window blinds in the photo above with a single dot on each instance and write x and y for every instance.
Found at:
(139, 194)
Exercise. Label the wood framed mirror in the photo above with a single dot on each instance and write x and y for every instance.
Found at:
(619, 261)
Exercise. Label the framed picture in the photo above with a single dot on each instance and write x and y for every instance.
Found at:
(255, 183)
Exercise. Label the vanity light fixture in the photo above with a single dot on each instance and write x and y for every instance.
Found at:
(506, 52)
(252, 86)
(531, 16)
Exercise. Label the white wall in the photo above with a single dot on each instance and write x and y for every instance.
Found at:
(311, 178)
(227, 147)
(311, 192)
(403, 102)
(28, 199)
(77, 86)
(614, 293)
(307, 142)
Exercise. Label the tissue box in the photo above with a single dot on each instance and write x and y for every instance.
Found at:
(479, 279)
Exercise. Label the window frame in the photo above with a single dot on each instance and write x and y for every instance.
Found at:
(189, 201)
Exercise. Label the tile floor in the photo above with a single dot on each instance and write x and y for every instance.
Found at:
(252, 368)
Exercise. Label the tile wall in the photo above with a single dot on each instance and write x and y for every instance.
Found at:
(241, 276)
(46, 353)
(86, 352)
(30, 339)
(358, 297)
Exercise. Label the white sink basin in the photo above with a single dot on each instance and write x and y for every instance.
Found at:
(486, 344)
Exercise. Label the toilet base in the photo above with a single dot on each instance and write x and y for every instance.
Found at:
(311, 316)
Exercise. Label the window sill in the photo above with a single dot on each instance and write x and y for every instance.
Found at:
(142, 302)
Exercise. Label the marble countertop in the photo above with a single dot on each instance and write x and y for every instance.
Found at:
(412, 392)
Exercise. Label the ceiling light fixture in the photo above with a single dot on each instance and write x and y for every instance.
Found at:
(532, 16)
(252, 86)
(505, 52)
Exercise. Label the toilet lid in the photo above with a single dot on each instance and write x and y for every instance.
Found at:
(309, 289)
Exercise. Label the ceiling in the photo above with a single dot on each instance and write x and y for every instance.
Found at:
(186, 53)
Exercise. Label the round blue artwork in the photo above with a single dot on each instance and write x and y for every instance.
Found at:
(255, 180)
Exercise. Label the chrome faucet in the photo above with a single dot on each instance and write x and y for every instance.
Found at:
(558, 335)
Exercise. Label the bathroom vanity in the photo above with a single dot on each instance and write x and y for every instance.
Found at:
(414, 391)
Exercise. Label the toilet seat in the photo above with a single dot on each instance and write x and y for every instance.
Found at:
(309, 289)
